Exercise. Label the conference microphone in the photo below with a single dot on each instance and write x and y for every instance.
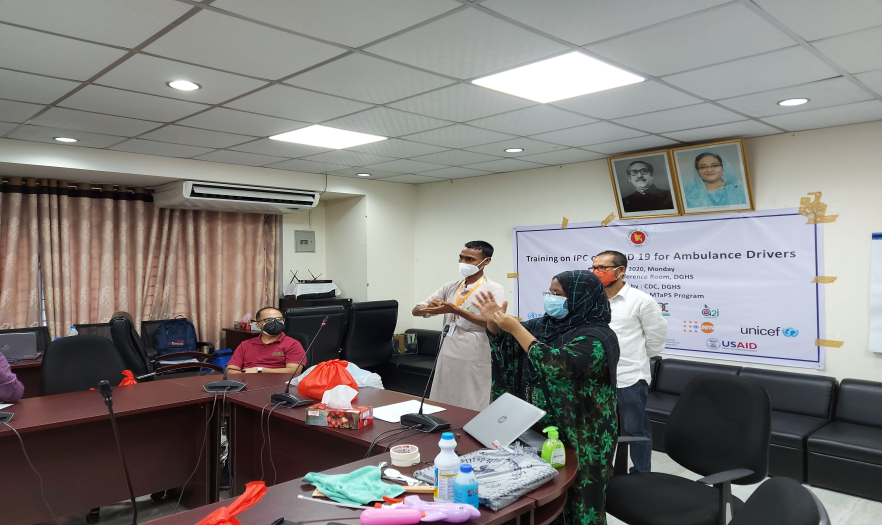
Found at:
(286, 400)
(427, 422)
(226, 385)
(107, 393)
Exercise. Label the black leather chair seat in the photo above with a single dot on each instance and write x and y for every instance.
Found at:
(659, 405)
(848, 440)
(790, 430)
(663, 500)
(414, 364)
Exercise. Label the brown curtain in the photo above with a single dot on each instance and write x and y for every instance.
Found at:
(106, 249)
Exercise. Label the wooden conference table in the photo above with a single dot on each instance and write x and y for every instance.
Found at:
(162, 426)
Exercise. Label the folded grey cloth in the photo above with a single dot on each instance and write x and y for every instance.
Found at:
(503, 477)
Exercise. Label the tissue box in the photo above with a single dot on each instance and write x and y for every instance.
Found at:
(354, 418)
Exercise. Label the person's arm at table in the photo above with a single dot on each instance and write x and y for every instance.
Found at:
(234, 366)
(11, 389)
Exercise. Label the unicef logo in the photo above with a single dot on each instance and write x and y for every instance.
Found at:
(790, 332)
(713, 343)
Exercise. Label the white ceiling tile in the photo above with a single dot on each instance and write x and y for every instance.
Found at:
(196, 137)
(503, 165)
(530, 147)
(680, 118)
(231, 44)
(413, 179)
(350, 22)
(590, 134)
(387, 122)
(458, 136)
(231, 121)
(353, 172)
(406, 166)
(831, 92)
(27, 50)
(398, 148)
(455, 157)
(41, 134)
(6, 127)
(32, 88)
(827, 117)
(786, 67)
(625, 101)
(815, 19)
(93, 122)
(467, 44)
(127, 104)
(455, 173)
(348, 158)
(279, 148)
(17, 111)
(149, 74)
(581, 22)
(305, 166)
(532, 120)
(238, 157)
(564, 156)
(710, 37)
(872, 79)
(855, 52)
(163, 149)
(734, 130)
(368, 79)
(298, 104)
(637, 144)
(124, 23)
(462, 102)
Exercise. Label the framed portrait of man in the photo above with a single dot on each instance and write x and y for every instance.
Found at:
(713, 177)
(644, 185)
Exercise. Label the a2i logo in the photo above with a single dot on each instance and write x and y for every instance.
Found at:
(664, 308)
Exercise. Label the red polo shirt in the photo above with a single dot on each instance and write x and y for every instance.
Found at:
(277, 354)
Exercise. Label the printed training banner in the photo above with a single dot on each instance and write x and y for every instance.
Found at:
(876, 293)
(735, 286)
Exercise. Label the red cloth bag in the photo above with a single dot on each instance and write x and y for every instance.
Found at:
(226, 515)
(326, 376)
(129, 379)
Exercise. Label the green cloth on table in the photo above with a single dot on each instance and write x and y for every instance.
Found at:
(359, 487)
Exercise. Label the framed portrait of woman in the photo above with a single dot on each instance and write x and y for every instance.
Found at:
(713, 177)
(644, 185)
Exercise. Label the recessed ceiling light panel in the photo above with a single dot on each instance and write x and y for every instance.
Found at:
(558, 78)
(183, 85)
(363, 174)
(793, 102)
(325, 137)
(514, 150)
(65, 139)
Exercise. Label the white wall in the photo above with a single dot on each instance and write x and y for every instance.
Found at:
(303, 263)
(843, 163)
(346, 221)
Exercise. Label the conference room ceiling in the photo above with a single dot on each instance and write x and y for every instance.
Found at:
(96, 71)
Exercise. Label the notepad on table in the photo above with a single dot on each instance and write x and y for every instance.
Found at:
(393, 413)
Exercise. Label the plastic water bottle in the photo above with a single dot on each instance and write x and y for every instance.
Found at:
(446, 469)
(466, 487)
(73, 331)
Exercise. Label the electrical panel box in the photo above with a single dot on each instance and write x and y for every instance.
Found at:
(304, 241)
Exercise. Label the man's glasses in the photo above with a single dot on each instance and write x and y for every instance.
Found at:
(709, 167)
(643, 171)
(279, 319)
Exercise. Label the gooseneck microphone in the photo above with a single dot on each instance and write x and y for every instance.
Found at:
(107, 393)
(286, 400)
(427, 422)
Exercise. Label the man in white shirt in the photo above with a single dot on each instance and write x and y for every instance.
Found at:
(638, 323)
(462, 376)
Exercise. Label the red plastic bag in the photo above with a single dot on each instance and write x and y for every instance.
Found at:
(129, 379)
(225, 515)
(326, 376)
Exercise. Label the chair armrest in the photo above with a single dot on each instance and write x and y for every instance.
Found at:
(196, 355)
(206, 343)
(631, 439)
(727, 476)
(179, 366)
(621, 465)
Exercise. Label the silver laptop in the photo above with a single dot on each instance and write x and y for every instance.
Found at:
(504, 421)
(16, 347)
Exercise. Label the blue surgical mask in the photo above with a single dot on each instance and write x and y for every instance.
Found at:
(555, 306)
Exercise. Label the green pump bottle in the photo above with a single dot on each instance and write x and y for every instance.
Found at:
(553, 449)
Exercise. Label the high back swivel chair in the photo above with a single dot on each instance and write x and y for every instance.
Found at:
(143, 363)
(369, 343)
(303, 324)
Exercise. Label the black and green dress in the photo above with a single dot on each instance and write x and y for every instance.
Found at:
(569, 372)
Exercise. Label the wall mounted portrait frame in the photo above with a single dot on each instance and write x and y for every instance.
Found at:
(713, 178)
(645, 185)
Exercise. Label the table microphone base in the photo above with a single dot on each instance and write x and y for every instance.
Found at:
(226, 385)
(291, 400)
(424, 422)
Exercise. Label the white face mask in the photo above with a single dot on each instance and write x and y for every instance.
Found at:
(468, 270)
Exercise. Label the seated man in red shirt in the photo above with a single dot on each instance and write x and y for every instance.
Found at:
(271, 353)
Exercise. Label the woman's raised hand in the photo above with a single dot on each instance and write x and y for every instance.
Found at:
(506, 322)
(488, 307)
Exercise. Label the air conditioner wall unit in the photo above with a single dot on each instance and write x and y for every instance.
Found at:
(193, 195)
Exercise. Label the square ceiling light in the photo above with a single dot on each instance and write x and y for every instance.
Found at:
(558, 78)
(326, 137)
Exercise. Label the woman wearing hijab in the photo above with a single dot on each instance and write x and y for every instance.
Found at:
(565, 363)
(714, 187)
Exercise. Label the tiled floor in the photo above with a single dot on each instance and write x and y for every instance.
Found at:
(842, 508)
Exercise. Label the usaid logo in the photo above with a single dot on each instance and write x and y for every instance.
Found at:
(790, 332)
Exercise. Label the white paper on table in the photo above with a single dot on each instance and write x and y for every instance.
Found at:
(393, 413)
(4, 406)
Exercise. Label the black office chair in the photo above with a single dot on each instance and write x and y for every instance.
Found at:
(305, 322)
(719, 428)
(782, 501)
(371, 327)
(148, 330)
(76, 363)
(145, 362)
(100, 329)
